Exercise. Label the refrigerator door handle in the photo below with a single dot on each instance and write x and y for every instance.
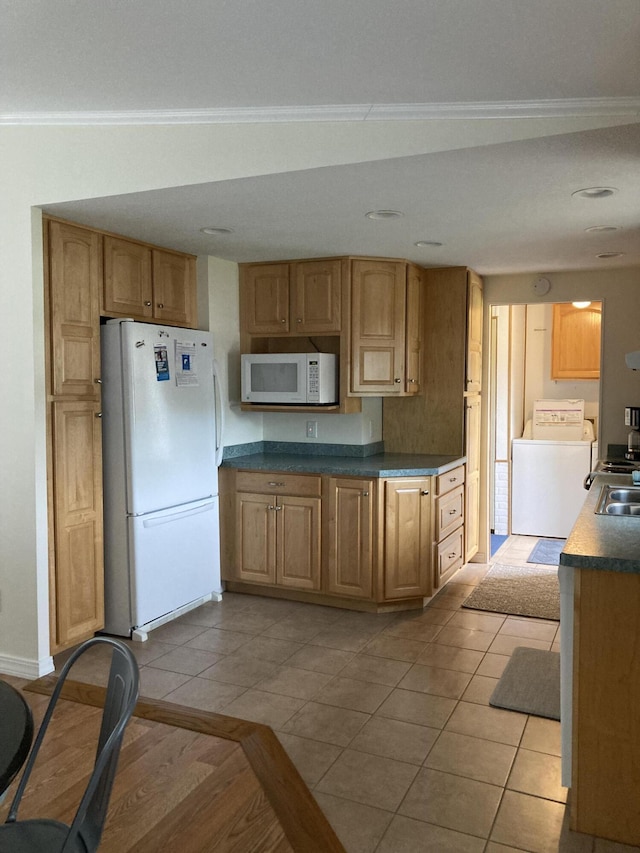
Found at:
(169, 517)
(219, 425)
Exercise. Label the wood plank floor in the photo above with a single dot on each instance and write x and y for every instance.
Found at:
(187, 780)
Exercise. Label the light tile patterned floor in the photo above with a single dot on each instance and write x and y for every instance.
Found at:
(387, 717)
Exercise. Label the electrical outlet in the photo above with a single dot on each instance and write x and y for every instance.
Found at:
(312, 429)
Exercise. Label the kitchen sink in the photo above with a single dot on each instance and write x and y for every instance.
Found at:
(615, 500)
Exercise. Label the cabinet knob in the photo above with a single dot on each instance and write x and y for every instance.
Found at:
(299, 320)
(277, 508)
(147, 304)
(98, 414)
(411, 381)
(98, 381)
(160, 304)
(397, 381)
(365, 494)
(424, 492)
(274, 483)
(283, 320)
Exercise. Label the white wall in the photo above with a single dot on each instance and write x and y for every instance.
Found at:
(360, 428)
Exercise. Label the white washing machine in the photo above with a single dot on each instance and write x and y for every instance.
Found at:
(547, 482)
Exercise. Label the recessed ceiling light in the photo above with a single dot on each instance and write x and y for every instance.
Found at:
(601, 228)
(609, 254)
(384, 214)
(216, 229)
(595, 192)
(424, 243)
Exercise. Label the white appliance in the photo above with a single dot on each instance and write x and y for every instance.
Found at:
(162, 443)
(292, 377)
(547, 474)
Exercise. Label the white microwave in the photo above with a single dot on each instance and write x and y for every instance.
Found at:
(294, 378)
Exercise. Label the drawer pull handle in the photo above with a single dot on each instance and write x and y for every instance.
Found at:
(453, 512)
(451, 556)
(273, 483)
(453, 479)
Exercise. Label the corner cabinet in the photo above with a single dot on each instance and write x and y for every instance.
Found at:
(446, 418)
(73, 266)
(374, 551)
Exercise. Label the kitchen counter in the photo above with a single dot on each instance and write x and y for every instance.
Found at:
(378, 465)
(606, 542)
(600, 669)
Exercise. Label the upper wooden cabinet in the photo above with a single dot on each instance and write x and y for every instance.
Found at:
(146, 283)
(73, 264)
(575, 341)
(387, 328)
(298, 298)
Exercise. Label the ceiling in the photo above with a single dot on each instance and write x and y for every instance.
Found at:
(501, 207)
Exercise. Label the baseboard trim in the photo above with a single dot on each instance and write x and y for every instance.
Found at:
(26, 667)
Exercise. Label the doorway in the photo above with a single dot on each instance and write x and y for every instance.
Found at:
(541, 351)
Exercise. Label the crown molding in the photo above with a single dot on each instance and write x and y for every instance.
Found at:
(556, 108)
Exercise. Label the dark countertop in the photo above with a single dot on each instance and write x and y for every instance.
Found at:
(606, 542)
(379, 465)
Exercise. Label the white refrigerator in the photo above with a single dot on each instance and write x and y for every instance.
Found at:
(162, 444)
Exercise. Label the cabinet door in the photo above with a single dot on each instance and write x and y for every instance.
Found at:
(74, 278)
(350, 548)
(315, 297)
(407, 538)
(474, 333)
(174, 288)
(265, 299)
(414, 333)
(378, 301)
(77, 512)
(256, 538)
(472, 478)
(127, 279)
(298, 542)
(575, 341)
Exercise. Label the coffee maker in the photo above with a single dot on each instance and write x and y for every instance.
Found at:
(632, 419)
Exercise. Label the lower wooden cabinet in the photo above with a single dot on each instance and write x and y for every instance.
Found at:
(449, 531)
(278, 535)
(366, 543)
(407, 529)
(77, 588)
(350, 525)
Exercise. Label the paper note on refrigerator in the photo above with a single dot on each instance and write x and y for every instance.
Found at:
(186, 369)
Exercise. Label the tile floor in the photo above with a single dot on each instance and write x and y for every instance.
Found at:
(385, 716)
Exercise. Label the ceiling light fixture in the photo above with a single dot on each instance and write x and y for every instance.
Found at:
(581, 304)
(384, 214)
(595, 192)
(216, 229)
(421, 244)
(597, 229)
(609, 255)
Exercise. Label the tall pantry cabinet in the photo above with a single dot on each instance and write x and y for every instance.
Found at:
(73, 264)
(446, 419)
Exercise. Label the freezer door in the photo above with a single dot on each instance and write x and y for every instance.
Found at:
(169, 416)
(175, 559)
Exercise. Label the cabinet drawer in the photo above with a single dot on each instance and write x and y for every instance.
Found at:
(279, 483)
(450, 480)
(449, 554)
(449, 512)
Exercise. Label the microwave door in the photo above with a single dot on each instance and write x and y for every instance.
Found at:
(274, 379)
